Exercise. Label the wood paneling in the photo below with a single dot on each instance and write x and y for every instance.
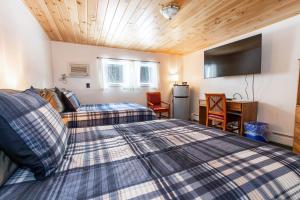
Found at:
(137, 24)
(296, 143)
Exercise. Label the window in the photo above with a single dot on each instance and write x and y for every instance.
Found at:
(127, 74)
(144, 75)
(115, 73)
(148, 74)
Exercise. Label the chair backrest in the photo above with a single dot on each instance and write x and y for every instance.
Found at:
(216, 104)
(154, 98)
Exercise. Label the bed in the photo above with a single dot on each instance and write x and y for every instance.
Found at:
(162, 159)
(76, 115)
(107, 114)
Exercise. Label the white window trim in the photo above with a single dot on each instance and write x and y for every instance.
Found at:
(143, 84)
(117, 62)
(131, 74)
(150, 66)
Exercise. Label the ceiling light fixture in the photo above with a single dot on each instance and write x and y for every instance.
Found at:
(169, 10)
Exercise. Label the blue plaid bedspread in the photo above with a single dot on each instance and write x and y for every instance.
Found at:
(165, 159)
(107, 114)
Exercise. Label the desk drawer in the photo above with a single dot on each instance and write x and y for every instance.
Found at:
(234, 106)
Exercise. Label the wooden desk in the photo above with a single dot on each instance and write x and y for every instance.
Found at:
(246, 110)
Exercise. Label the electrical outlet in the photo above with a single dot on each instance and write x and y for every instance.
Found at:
(88, 85)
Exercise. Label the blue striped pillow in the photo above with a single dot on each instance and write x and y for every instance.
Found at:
(32, 132)
(73, 102)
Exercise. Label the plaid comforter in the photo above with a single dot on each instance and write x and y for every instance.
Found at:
(166, 159)
(107, 114)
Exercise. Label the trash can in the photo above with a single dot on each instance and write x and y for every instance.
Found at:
(256, 131)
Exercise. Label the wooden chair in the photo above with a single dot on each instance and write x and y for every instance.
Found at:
(216, 111)
(157, 105)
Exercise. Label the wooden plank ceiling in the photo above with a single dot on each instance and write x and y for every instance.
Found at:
(138, 25)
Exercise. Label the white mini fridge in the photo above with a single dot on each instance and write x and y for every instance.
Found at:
(181, 102)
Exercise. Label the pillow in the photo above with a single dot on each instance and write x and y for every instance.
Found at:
(32, 132)
(7, 167)
(53, 99)
(36, 90)
(51, 96)
(70, 99)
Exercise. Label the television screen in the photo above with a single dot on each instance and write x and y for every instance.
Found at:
(237, 58)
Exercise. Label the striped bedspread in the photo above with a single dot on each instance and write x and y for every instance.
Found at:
(107, 114)
(165, 159)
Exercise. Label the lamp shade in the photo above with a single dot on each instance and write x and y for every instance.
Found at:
(169, 11)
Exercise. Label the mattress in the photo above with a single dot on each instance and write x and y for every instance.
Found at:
(163, 159)
(107, 114)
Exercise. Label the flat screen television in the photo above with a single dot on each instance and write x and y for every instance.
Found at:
(237, 58)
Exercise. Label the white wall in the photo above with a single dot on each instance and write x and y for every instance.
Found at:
(65, 53)
(275, 88)
(24, 48)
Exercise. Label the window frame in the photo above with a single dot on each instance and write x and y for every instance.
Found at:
(131, 74)
(151, 68)
(144, 84)
(114, 62)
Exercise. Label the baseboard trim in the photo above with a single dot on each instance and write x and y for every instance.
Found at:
(195, 117)
(280, 138)
(281, 134)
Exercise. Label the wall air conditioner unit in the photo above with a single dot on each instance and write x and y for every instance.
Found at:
(79, 70)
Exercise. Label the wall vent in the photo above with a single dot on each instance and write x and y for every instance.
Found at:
(79, 70)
